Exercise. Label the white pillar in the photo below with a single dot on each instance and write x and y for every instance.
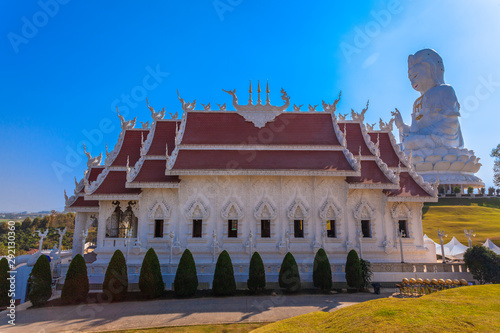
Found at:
(77, 235)
(101, 228)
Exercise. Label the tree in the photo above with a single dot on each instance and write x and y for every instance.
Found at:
(41, 282)
(457, 190)
(322, 271)
(366, 272)
(289, 278)
(150, 279)
(495, 153)
(483, 264)
(491, 190)
(353, 272)
(470, 190)
(76, 284)
(257, 274)
(115, 283)
(4, 283)
(498, 191)
(483, 190)
(224, 283)
(186, 279)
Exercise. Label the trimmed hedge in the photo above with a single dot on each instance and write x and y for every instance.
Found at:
(40, 282)
(4, 283)
(150, 279)
(186, 279)
(257, 274)
(224, 283)
(115, 283)
(322, 271)
(76, 284)
(289, 278)
(353, 273)
(366, 272)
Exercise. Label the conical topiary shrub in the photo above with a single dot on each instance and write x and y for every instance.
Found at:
(4, 283)
(224, 283)
(289, 278)
(257, 274)
(322, 271)
(115, 283)
(186, 279)
(41, 282)
(150, 279)
(76, 284)
(353, 273)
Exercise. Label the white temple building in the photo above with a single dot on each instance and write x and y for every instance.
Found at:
(258, 178)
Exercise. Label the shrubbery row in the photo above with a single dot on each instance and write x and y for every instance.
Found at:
(115, 285)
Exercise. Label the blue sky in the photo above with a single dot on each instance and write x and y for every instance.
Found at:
(66, 67)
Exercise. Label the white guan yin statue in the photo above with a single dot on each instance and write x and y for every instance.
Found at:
(434, 138)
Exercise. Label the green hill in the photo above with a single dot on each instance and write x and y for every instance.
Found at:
(455, 215)
(465, 309)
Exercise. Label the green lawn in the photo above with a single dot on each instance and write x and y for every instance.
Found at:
(453, 219)
(465, 309)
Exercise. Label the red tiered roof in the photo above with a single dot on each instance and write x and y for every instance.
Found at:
(131, 147)
(153, 171)
(387, 153)
(408, 188)
(94, 172)
(262, 160)
(230, 128)
(355, 139)
(81, 202)
(115, 184)
(370, 174)
(164, 134)
(211, 142)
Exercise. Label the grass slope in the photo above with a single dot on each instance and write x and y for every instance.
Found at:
(221, 328)
(466, 309)
(455, 215)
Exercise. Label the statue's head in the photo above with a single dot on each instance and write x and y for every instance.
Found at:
(425, 70)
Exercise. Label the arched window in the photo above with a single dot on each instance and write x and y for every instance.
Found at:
(365, 218)
(119, 223)
(330, 214)
(298, 214)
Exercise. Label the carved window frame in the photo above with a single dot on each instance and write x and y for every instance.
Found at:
(131, 208)
(165, 212)
(364, 211)
(305, 213)
(329, 210)
(262, 206)
(401, 211)
(232, 210)
(197, 210)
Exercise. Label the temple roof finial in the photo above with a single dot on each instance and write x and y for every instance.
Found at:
(259, 102)
(267, 94)
(250, 92)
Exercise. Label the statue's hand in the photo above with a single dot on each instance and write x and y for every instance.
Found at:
(398, 118)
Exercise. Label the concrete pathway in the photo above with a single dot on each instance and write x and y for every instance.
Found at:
(177, 312)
